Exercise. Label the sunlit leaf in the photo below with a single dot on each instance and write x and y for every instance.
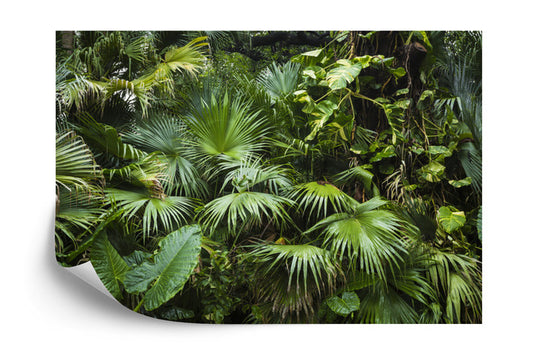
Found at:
(343, 74)
(451, 220)
(460, 183)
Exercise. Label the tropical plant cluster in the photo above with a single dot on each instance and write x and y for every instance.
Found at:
(211, 181)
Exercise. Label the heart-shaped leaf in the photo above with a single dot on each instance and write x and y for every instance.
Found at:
(344, 74)
(343, 306)
(451, 220)
(460, 183)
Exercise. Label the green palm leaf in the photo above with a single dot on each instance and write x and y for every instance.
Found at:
(75, 164)
(384, 305)
(292, 276)
(459, 278)
(318, 198)
(167, 212)
(245, 208)
(76, 89)
(280, 81)
(170, 269)
(371, 236)
(251, 173)
(187, 58)
(106, 139)
(225, 127)
(358, 174)
(76, 214)
(166, 135)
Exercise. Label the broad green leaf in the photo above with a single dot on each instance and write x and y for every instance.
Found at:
(344, 74)
(323, 110)
(364, 60)
(314, 72)
(460, 183)
(401, 92)
(314, 53)
(438, 153)
(309, 73)
(432, 172)
(309, 58)
(108, 264)
(426, 94)
(170, 269)
(451, 220)
(341, 36)
(385, 153)
(344, 306)
(403, 104)
(136, 258)
(398, 72)
(368, 35)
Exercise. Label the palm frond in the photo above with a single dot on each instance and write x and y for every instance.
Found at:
(320, 198)
(280, 81)
(252, 174)
(245, 209)
(371, 237)
(226, 127)
(291, 277)
(383, 305)
(105, 140)
(75, 164)
(459, 278)
(168, 212)
(166, 134)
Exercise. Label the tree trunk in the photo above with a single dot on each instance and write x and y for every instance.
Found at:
(67, 41)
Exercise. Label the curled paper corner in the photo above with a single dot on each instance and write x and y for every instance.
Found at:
(86, 273)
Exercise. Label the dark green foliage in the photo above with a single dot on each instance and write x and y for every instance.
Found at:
(274, 176)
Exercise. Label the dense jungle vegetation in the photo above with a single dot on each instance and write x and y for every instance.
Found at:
(275, 176)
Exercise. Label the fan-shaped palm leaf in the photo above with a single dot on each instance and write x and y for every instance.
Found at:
(315, 198)
(371, 236)
(106, 141)
(280, 81)
(77, 210)
(166, 135)
(384, 305)
(291, 276)
(75, 164)
(251, 173)
(245, 209)
(225, 127)
(78, 192)
(168, 212)
(188, 58)
(459, 277)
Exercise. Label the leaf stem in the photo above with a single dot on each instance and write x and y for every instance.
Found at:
(139, 305)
